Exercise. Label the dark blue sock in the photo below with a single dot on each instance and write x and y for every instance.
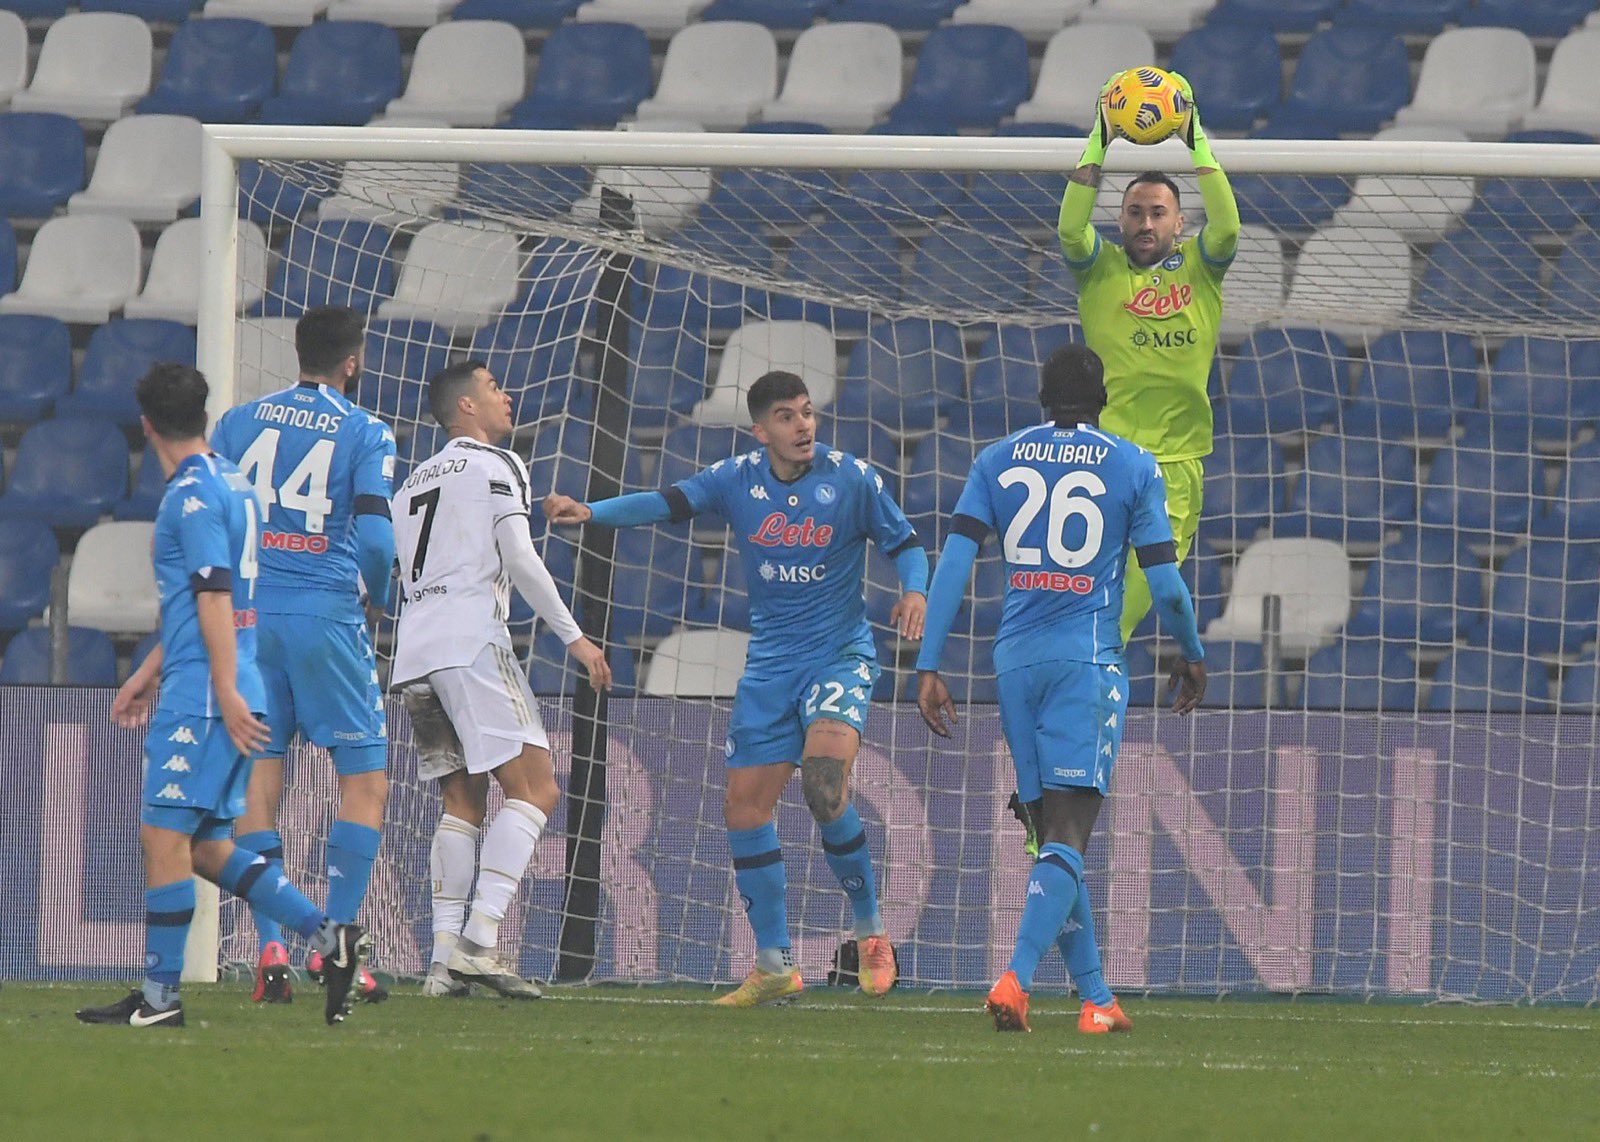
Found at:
(262, 885)
(1082, 953)
(1052, 889)
(763, 886)
(844, 842)
(167, 913)
(351, 850)
(267, 843)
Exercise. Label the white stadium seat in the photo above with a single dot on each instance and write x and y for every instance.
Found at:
(148, 169)
(663, 198)
(1310, 576)
(697, 663)
(1252, 293)
(394, 13)
(456, 276)
(1480, 80)
(466, 73)
(657, 17)
(112, 583)
(717, 74)
(1036, 19)
(1571, 99)
(1076, 63)
(392, 192)
(277, 13)
(1166, 18)
(1421, 209)
(172, 284)
(264, 356)
(13, 56)
(757, 347)
(92, 65)
(843, 76)
(82, 268)
(1351, 277)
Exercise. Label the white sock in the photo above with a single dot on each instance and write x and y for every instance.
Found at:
(507, 849)
(455, 852)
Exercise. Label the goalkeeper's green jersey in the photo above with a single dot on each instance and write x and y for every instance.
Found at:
(1155, 330)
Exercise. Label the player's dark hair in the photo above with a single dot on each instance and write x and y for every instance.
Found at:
(1072, 384)
(172, 398)
(770, 388)
(446, 386)
(1158, 178)
(325, 336)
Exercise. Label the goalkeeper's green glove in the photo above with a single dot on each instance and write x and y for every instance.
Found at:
(1194, 135)
(1094, 147)
(1028, 812)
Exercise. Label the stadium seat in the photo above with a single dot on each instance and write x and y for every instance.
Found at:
(41, 163)
(1482, 276)
(1290, 203)
(1233, 65)
(1253, 291)
(1481, 488)
(92, 65)
(147, 170)
(172, 285)
(82, 267)
(1414, 17)
(1311, 579)
(652, 582)
(270, 199)
(337, 262)
(972, 75)
(663, 199)
(686, 450)
(456, 276)
(535, 359)
(1479, 80)
(843, 76)
(1236, 676)
(91, 658)
(400, 356)
(717, 75)
(150, 11)
(1360, 675)
(724, 600)
(842, 257)
(1025, 201)
(1004, 395)
(954, 267)
(35, 365)
(1036, 19)
(1543, 18)
(265, 356)
(1545, 208)
(933, 483)
(340, 72)
(589, 75)
(276, 13)
(149, 485)
(906, 198)
(901, 15)
(1472, 679)
(755, 197)
(901, 373)
(696, 663)
(1143, 685)
(28, 554)
(1412, 384)
(68, 472)
(467, 73)
(1167, 19)
(519, 13)
(1576, 271)
(392, 193)
(656, 17)
(1580, 686)
(1571, 99)
(216, 71)
(112, 584)
(758, 347)
(13, 56)
(1352, 490)
(967, 665)
(1243, 481)
(1347, 79)
(1553, 383)
(1353, 277)
(1574, 512)
(557, 453)
(779, 15)
(120, 352)
(1273, 15)
(1544, 601)
(1076, 61)
(393, 13)
(1420, 209)
(1286, 380)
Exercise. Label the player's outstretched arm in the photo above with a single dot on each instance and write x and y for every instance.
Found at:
(1171, 596)
(619, 511)
(1220, 237)
(130, 709)
(1078, 239)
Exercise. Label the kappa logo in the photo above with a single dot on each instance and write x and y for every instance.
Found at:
(1035, 888)
(188, 481)
(1114, 694)
(193, 504)
(835, 457)
(853, 714)
(858, 694)
(183, 735)
(1111, 722)
(333, 871)
(758, 492)
(864, 672)
(171, 792)
(177, 763)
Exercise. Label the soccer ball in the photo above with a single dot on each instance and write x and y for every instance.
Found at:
(1145, 105)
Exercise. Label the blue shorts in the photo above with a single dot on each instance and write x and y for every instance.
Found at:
(194, 776)
(772, 709)
(322, 679)
(1063, 722)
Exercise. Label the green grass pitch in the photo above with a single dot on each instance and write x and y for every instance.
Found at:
(620, 1063)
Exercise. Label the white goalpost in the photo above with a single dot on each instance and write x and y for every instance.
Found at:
(1390, 788)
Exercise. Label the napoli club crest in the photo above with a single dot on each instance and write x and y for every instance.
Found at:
(826, 494)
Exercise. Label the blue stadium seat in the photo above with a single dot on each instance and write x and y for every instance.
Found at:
(1484, 275)
(901, 374)
(653, 583)
(1478, 485)
(589, 75)
(120, 352)
(684, 451)
(1545, 601)
(1352, 490)
(1413, 17)
(1244, 476)
(974, 75)
(1472, 679)
(1274, 15)
(150, 11)
(149, 485)
(217, 71)
(902, 197)
(1553, 384)
(1574, 513)
(332, 262)
(955, 267)
(142, 649)
(340, 72)
(1538, 206)
(8, 256)
(967, 665)
(558, 456)
(519, 13)
(1360, 674)
(37, 9)
(1004, 395)
(1024, 200)
(1232, 66)
(667, 356)
(399, 358)
(1580, 686)
(1056, 287)
(724, 601)
(91, 658)
(935, 477)
(523, 189)
(1143, 683)
(1412, 384)
(35, 365)
(902, 15)
(28, 554)
(68, 472)
(772, 197)
(843, 257)
(1290, 202)
(1286, 380)
(1236, 676)
(725, 303)
(1577, 268)
(1535, 17)
(779, 15)
(1423, 587)
(268, 198)
(41, 162)
(1347, 79)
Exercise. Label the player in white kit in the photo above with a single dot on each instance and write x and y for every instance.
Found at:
(462, 541)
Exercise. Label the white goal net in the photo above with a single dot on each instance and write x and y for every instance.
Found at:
(1390, 789)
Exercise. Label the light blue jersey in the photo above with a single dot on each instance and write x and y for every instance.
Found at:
(316, 461)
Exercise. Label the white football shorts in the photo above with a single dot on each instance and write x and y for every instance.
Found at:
(492, 711)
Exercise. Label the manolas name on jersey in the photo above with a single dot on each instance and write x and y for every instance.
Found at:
(1066, 503)
(1155, 330)
(804, 546)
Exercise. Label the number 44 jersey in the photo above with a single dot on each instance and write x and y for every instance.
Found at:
(1067, 502)
(454, 590)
